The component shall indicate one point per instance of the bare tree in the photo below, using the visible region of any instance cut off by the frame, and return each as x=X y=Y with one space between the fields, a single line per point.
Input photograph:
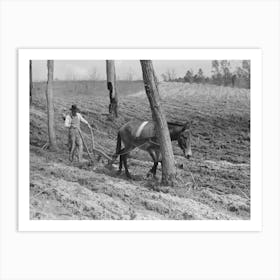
x=112 y=87
x=217 y=77
x=30 y=81
x=169 y=75
x=246 y=66
x=50 y=107
x=151 y=87
x=225 y=68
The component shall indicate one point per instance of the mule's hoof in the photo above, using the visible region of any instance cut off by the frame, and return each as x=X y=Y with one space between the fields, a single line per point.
x=149 y=174
x=128 y=176
x=119 y=172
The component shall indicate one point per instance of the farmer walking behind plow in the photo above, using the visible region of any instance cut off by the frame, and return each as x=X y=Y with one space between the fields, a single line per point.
x=75 y=141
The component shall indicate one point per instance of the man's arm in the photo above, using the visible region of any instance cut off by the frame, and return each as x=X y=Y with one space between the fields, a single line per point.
x=83 y=120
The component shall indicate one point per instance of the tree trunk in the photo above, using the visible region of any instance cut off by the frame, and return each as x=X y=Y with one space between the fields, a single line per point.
x=151 y=87
x=111 y=85
x=30 y=81
x=50 y=107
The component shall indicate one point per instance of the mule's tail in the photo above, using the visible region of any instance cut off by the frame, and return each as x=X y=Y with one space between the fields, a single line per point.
x=118 y=149
x=119 y=144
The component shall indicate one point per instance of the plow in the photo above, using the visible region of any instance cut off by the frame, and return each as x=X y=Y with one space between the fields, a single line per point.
x=98 y=150
x=101 y=151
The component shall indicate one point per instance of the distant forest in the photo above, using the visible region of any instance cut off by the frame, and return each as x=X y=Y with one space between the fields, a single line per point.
x=222 y=75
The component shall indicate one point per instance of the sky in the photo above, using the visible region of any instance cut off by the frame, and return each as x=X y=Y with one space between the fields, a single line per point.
x=87 y=69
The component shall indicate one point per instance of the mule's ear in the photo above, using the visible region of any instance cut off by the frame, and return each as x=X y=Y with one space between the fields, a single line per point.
x=186 y=126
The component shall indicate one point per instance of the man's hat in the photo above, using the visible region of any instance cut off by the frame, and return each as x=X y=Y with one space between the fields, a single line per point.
x=74 y=108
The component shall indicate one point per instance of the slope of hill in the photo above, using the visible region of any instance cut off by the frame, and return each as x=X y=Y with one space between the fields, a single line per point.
x=214 y=184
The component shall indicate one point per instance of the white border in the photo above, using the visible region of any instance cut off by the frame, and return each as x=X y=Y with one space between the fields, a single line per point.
x=254 y=224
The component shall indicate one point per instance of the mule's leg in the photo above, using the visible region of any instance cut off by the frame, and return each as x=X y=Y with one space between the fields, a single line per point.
x=122 y=152
x=120 y=164
x=154 y=158
x=121 y=160
x=126 y=167
x=157 y=160
x=155 y=168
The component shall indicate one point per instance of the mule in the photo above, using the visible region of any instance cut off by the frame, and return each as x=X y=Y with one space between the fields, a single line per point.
x=142 y=135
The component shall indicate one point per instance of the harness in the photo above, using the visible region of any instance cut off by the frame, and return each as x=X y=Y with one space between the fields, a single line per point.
x=140 y=128
x=149 y=141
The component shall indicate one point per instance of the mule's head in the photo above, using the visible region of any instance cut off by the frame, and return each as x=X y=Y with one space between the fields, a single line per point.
x=184 y=141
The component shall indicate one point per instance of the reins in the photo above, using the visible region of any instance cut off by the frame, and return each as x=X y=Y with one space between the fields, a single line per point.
x=134 y=147
x=93 y=146
x=84 y=142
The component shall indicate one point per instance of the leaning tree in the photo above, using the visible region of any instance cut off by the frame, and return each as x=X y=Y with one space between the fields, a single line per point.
x=111 y=85
x=50 y=107
x=152 y=91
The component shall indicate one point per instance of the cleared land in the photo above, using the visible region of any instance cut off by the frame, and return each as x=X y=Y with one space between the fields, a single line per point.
x=214 y=184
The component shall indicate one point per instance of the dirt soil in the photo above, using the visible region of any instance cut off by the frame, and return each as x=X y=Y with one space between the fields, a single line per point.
x=213 y=184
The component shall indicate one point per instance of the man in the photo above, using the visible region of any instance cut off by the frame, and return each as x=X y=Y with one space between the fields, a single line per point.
x=72 y=121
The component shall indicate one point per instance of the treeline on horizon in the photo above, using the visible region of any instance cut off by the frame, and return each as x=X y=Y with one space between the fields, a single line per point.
x=222 y=75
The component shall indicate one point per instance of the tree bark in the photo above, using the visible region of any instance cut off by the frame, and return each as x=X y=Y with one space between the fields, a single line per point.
x=151 y=87
x=112 y=87
x=30 y=81
x=50 y=107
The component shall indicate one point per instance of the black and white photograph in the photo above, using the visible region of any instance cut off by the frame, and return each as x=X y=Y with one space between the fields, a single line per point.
x=140 y=139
